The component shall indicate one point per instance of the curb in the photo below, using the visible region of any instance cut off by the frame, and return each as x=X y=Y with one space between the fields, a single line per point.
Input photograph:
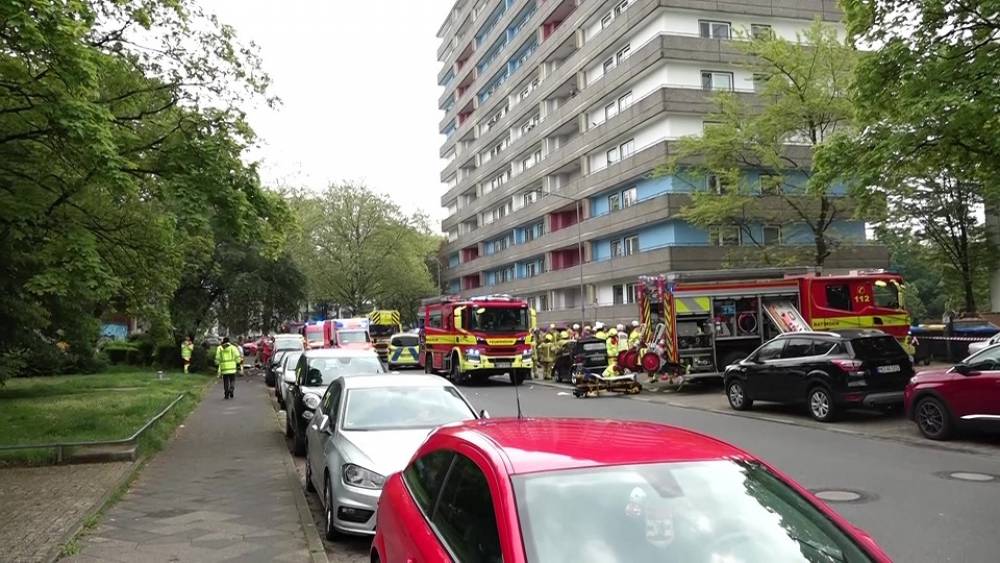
x=914 y=442
x=55 y=553
x=317 y=552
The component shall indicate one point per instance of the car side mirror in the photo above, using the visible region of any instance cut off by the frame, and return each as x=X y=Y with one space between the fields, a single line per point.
x=484 y=413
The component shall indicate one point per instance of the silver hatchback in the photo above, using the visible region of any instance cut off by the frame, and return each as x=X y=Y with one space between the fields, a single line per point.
x=365 y=428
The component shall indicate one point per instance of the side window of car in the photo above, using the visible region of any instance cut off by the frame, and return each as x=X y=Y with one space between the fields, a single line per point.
x=797 y=348
x=425 y=476
x=335 y=392
x=770 y=351
x=299 y=368
x=464 y=516
x=986 y=360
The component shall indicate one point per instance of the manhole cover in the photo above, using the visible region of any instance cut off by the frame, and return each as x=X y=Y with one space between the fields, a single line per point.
x=842 y=495
x=971 y=476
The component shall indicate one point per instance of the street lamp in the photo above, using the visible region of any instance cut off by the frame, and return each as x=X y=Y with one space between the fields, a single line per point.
x=579 y=248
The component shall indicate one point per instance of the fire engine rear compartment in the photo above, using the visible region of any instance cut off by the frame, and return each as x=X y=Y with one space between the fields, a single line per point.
x=717 y=327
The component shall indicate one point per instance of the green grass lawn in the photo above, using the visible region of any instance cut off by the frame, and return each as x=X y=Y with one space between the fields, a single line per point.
x=79 y=408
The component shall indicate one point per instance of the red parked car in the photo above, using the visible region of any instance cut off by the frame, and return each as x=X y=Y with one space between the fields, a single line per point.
x=584 y=490
x=966 y=395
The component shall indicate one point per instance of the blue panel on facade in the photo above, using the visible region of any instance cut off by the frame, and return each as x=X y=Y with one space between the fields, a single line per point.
x=454 y=286
x=453 y=260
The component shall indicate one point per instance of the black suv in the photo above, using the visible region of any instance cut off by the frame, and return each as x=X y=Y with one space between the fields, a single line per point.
x=825 y=370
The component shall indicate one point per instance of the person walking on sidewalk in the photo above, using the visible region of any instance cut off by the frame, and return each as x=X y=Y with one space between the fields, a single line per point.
x=187 y=351
x=228 y=359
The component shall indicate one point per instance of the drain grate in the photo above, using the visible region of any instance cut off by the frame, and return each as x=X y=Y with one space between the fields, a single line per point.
x=970 y=476
x=843 y=495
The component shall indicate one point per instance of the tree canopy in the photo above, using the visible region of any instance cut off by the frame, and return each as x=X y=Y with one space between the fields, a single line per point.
x=121 y=163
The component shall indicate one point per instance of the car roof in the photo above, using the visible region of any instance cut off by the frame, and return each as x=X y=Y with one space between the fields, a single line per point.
x=394 y=380
x=549 y=444
x=339 y=353
x=845 y=333
x=287 y=335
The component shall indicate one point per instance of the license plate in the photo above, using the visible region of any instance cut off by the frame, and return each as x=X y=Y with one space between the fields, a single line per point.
x=502 y=364
x=888 y=369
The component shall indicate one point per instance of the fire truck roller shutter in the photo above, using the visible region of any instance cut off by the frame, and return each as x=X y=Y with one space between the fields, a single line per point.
x=692 y=305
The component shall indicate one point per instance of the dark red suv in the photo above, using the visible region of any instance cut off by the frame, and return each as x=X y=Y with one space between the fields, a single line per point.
x=966 y=395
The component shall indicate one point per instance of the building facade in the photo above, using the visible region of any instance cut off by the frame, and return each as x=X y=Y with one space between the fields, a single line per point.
x=555 y=114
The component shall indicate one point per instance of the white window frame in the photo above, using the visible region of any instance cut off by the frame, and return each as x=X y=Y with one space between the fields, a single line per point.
x=712 y=84
x=610 y=111
x=623 y=294
x=612 y=156
x=621 y=7
x=629 y=197
x=617 y=248
x=762 y=182
x=761 y=30
x=606 y=20
x=777 y=238
x=533 y=268
x=614 y=202
x=626 y=149
x=624 y=101
x=719 y=234
x=630 y=245
x=622 y=54
x=608 y=65
x=711 y=29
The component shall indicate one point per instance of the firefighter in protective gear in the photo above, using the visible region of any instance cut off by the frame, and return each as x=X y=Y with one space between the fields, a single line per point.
x=622 y=340
x=635 y=335
x=611 y=347
x=187 y=351
x=576 y=331
x=599 y=332
x=228 y=358
x=546 y=356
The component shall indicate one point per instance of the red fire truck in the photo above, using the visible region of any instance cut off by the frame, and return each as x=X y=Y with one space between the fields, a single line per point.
x=703 y=321
x=474 y=338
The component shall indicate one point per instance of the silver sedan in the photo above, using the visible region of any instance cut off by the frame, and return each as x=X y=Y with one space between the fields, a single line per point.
x=365 y=428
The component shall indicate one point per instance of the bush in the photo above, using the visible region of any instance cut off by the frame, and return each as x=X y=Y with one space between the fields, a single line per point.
x=119 y=352
x=168 y=355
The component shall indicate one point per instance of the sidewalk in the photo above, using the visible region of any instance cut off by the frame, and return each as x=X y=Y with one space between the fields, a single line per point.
x=223 y=490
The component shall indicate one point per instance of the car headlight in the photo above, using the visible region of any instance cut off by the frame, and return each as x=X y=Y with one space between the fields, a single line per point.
x=472 y=354
x=526 y=354
x=358 y=476
x=311 y=400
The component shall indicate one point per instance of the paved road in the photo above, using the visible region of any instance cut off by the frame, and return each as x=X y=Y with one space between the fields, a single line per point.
x=915 y=514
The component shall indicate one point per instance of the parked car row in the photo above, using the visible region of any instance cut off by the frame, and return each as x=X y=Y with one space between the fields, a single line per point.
x=832 y=371
x=409 y=460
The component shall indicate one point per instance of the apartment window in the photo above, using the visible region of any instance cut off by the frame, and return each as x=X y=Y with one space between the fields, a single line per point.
x=715 y=80
x=609 y=64
x=532 y=269
x=715 y=29
x=539 y=302
x=614 y=202
x=759 y=81
x=622 y=54
x=532 y=232
x=610 y=110
x=505 y=274
x=761 y=31
x=772 y=235
x=623 y=294
x=716 y=184
x=629 y=197
x=726 y=235
x=624 y=101
x=612 y=156
x=606 y=20
x=616 y=248
x=621 y=7
x=627 y=148
x=529 y=198
x=631 y=245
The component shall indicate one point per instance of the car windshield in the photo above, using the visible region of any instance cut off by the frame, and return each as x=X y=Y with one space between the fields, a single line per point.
x=314 y=337
x=382 y=330
x=711 y=511
x=878 y=347
x=322 y=371
x=390 y=408
x=498 y=319
x=352 y=336
x=405 y=341
x=288 y=344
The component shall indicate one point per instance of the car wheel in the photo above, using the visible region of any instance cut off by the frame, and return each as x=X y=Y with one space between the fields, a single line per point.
x=428 y=365
x=737 y=394
x=329 y=531
x=455 y=373
x=821 y=405
x=933 y=418
x=298 y=441
x=289 y=432
x=309 y=477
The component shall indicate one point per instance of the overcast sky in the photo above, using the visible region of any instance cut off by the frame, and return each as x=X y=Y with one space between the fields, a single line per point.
x=358 y=82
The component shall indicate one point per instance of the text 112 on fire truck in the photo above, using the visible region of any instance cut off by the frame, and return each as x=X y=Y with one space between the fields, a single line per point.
x=474 y=338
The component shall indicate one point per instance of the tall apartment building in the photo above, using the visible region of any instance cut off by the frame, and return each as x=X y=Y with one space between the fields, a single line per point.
x=556 y=112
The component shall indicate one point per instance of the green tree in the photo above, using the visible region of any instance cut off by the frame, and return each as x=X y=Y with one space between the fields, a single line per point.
x=803 y=101
x=926 y=158
x=359 y=251
x=118 y=168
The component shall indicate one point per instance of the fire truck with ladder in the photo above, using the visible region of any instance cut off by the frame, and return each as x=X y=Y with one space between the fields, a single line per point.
x=698 y=322
x=473 y=338
x=382 y=324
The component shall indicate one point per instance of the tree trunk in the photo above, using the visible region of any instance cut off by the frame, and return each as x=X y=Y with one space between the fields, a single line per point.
x=967 y=288
x=822 y=250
